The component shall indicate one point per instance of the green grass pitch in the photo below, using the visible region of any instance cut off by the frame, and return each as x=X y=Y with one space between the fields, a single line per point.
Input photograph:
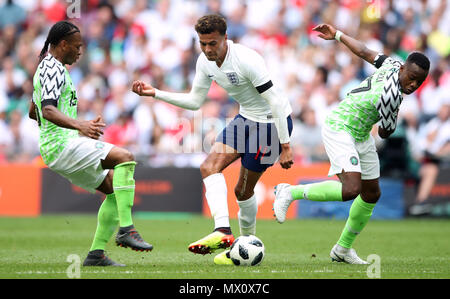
x=298 y=249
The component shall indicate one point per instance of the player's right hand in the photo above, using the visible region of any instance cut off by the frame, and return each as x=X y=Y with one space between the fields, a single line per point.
x=326 y=31
x=143 y=89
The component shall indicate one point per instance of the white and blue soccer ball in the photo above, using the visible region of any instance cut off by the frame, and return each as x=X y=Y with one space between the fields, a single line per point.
x=247 y=251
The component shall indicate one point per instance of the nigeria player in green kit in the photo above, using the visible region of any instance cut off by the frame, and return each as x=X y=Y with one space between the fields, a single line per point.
x=349 y=145
x=71 y=148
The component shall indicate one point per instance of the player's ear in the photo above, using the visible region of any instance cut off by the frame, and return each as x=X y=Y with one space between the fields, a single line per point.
x=63 y=44
x=402 y=69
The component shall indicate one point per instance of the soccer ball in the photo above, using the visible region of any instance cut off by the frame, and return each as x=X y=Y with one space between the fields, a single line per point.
x=247 y=251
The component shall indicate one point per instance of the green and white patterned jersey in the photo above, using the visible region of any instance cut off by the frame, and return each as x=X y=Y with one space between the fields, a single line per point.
x=53 y=86
x=377 y=98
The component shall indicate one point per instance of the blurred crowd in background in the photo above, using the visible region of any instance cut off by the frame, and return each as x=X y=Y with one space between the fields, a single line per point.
x=155 y=41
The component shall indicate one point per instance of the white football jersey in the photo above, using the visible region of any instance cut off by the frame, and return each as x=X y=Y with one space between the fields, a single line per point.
x=242 y=71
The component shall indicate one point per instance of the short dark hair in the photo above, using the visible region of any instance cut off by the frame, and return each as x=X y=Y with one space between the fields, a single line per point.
x=58 y=32
x=420 y=59
x=211 y=23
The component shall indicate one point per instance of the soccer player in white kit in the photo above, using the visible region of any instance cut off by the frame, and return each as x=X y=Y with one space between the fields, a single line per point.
x=259 y=134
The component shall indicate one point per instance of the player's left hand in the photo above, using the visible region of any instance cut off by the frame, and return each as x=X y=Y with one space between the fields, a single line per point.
x=96 y=127
x=99 y=120
x=286 y=157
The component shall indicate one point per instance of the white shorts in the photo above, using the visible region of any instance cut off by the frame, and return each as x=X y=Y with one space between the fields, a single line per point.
x=80 y=162
x=346 y=154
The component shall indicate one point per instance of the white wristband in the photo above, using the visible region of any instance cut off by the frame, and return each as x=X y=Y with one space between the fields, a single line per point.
x=337 y=36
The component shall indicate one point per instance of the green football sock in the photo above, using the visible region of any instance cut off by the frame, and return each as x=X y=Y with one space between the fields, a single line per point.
x=322 y=191
x=359 y=215
x=123 y=184
x=107 y=221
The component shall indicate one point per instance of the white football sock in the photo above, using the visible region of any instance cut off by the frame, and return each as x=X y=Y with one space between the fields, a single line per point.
x=247 y=215
x=216 y=196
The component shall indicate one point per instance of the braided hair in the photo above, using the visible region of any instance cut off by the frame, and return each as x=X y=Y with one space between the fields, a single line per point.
x=58 y=32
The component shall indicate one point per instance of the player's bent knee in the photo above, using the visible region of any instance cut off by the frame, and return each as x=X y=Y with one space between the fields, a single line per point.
x=117 y=156
x=350 y=193
x=207 y=169
x=204 y=170
x=126 y=156
x=371 y=197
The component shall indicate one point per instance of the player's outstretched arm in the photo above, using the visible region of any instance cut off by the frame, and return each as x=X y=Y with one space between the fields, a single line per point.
x=191 y=101
x=89 y=128
x=328 y=32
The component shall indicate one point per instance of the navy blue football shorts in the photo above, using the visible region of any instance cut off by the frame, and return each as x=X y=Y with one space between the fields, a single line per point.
x=257 y=142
